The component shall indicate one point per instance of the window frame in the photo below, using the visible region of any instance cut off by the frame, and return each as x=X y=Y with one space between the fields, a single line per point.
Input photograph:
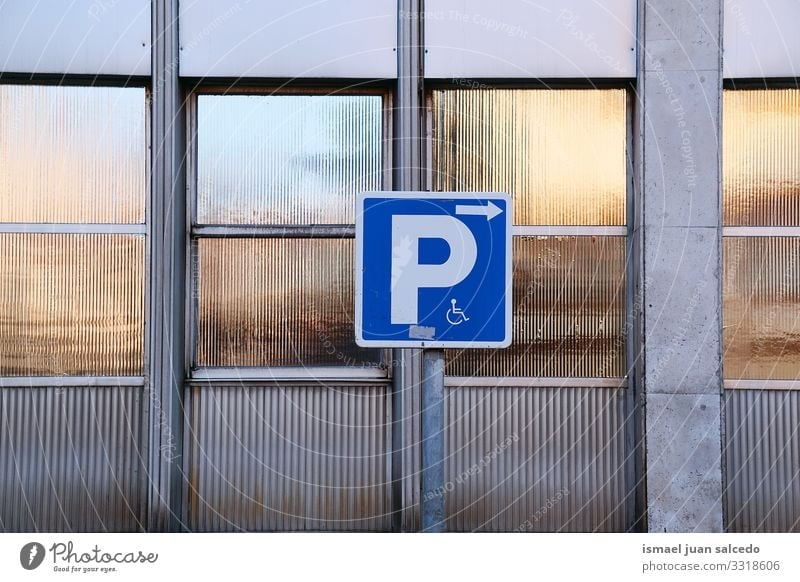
x=142 y=229
x=195 y=232
x=733 y=231
x=624 y=231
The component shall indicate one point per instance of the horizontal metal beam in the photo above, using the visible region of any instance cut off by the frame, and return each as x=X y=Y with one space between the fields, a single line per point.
x=569 y=230
x=310 y=374
x=277 y=383
x=508 y=381
x=70 y=228
x=760 y=231
x=70 y=381
x=761 y=384
x=268 y=231
x=348 y=231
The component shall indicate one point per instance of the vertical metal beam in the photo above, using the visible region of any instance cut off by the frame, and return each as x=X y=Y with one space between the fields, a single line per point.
x=167 y=231
x=433 y=488
x=635 y=466
x=409 y=168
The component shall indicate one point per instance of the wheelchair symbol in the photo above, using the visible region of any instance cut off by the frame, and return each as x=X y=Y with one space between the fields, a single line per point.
x=455 y=315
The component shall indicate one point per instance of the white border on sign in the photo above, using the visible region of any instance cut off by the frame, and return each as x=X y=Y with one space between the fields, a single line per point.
x=359 y=269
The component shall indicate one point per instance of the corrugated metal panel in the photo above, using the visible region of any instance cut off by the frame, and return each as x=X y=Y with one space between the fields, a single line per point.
x=288 y=458
x=71 y=459
x=535 y=459
x=763 y=460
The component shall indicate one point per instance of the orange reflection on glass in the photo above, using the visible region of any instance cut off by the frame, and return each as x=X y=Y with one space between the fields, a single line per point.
x=761 y=157
x=559 y=153
x=72 y=154
x=72 y=304
x=277 y=302
x=761 y=310
x=568 y=317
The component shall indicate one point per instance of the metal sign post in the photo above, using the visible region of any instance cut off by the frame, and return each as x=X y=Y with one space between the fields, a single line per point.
x=433 y=485
x=433 y=270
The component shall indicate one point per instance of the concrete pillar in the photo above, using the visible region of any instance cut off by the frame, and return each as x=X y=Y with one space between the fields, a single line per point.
x=678 y=229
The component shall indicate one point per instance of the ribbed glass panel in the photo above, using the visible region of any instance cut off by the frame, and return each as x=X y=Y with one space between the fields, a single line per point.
x=568 y=312
x=763 y=460
x=286 y=159
x=535 y=459
x=761 y=308
x=288 y=458
x=72 y=459
x=71 y=304
x=560 y=154
x=761 y=157
x=72 y=154
x=277 y=302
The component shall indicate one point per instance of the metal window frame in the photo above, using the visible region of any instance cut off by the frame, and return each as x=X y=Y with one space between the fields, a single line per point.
x=204 y=375
x=735 y=231
x=71 y=381
x=521 y=230
x=142 y=229
x=314 y=374
x=534 y=382
x=770 y=232
x=760 y=231
x=731 y=384
x=70 y=228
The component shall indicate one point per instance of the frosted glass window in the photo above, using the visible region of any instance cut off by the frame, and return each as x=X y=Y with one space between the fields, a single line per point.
x=559 y=153
x=286 y=159
x=72 y=154
x=277 y=302
x=291 y=160
x=568 y=318
x=761 y=308
x=761 y=157
x=71 y=304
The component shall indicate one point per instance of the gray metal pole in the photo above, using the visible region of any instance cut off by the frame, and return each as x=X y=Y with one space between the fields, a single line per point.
x=433 y=486
x=168 y=262
x=409 y=171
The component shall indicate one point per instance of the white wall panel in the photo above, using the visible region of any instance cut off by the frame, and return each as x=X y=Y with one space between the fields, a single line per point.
x=761 y=38
x=523 y=38
x=110 y=37
x=307 y=38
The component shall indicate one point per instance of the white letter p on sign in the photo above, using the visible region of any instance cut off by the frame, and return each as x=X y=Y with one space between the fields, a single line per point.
x=408 y=276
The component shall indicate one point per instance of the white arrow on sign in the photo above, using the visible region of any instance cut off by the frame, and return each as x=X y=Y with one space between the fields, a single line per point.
x=490 y=210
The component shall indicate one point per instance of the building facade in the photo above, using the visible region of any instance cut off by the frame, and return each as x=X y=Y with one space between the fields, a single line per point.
x=177 y=209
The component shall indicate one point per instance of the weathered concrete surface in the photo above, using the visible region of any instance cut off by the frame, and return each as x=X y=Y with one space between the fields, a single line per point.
x=682 y=132
x=683 y=463
x=679 y=236
x=682 y=311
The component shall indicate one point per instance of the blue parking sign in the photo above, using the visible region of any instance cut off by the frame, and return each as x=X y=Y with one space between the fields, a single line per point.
x=433 y=270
